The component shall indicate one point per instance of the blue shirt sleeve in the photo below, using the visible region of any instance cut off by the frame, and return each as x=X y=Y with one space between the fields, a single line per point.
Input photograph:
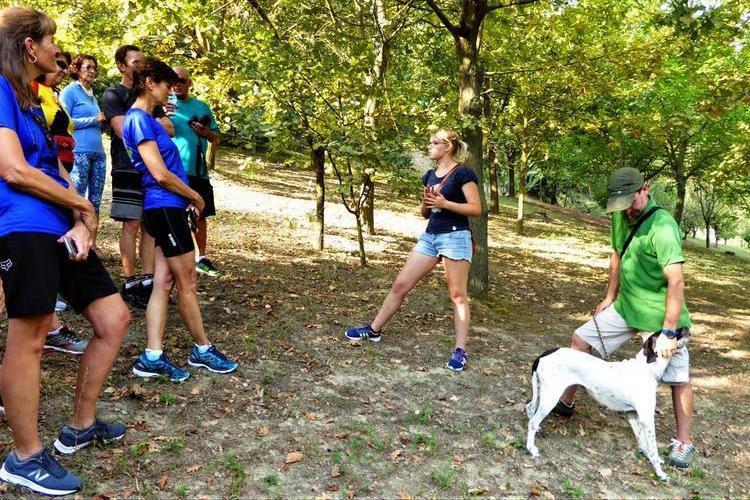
x=142 y=128
x=7 y=104
x=426 y=178
x=465 y=176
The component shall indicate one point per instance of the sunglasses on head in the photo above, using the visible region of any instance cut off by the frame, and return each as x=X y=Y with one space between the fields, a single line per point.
x=61 y=64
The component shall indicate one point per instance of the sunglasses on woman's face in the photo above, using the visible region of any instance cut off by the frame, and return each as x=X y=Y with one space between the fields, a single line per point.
x=61 y=64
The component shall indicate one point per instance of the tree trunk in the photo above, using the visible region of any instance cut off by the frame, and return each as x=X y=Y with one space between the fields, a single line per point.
x=708 y=235
x=492 y=173
x=470 y=108
x=211 y=156
x=510 y=153
x=522 y=182
x=368 y=208
x=318 y=159
x=678 y=168
x=361 y=241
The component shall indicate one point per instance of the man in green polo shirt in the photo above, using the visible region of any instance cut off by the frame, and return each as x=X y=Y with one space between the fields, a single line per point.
x=644 y=294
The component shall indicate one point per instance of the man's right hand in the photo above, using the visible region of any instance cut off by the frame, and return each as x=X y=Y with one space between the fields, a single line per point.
x=603 y=305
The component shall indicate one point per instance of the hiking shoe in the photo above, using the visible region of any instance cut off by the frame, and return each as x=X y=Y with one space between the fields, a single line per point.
x=160 y=368
x=40 y=473
x=205 y=266
x=61 y=305
x=564 y=409
x=135 y=295
x=458 y=360
x=213 y=360
x=680 y=454
x=71 y=440
x=65 y=340
x=363 y=332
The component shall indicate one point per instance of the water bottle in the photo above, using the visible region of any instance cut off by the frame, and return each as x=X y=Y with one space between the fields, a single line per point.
x=171 y=106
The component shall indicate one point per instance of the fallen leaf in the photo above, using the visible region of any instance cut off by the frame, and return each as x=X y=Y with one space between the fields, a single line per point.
x=192 y=468
x=519 y=407
x=162 y=482
x=127 y=492
x=534 y=492
x=310 y=416
x=475 y=492
x=195 y=391
x=263 y=431
x=294 y=457
x=335 y=471
x=350 y=492
x=402 y=495
x=153 y=447
x=396 y=455
x=332 y=487
x=606 y=472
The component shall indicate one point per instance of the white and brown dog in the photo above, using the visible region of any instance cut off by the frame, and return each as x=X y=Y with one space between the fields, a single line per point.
x=626 y=386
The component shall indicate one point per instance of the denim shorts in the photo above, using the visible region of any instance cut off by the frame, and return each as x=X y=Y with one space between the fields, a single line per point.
x=455 y=245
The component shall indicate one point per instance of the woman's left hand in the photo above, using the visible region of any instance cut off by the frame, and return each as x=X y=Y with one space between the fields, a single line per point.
x=82 y=237
x=434 y=199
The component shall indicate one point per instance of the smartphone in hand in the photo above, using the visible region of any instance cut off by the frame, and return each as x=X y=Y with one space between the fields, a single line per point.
x=71 y=247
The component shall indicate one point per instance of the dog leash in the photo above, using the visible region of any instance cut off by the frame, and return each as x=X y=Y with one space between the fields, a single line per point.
x=599 y=333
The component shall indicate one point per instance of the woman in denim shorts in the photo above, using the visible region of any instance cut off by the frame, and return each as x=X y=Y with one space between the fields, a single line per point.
x=450 y=197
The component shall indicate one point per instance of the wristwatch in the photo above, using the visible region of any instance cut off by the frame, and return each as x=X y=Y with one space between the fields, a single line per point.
x=670 y=334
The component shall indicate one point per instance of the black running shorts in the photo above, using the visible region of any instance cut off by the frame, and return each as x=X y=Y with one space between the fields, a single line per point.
x=169 y=227
x=34 y=267
x=204 y=188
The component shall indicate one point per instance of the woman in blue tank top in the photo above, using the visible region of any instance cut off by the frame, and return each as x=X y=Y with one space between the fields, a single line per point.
x=450 y=197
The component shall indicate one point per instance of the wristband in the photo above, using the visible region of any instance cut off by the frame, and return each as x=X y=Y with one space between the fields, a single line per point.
x=670 y=334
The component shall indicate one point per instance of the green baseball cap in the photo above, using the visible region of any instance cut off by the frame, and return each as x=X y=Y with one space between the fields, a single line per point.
x=624 y=183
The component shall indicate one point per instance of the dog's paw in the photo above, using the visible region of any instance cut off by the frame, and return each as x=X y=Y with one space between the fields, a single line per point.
x=534 y=451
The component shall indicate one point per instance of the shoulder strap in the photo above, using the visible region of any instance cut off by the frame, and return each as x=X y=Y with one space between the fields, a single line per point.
x=637 y=226
x=446 y=176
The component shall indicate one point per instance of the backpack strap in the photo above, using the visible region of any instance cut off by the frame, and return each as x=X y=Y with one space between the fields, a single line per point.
x=637 y=226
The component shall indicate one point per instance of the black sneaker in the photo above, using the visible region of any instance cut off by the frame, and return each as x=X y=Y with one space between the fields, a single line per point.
x=563 y=409
x=134 y=295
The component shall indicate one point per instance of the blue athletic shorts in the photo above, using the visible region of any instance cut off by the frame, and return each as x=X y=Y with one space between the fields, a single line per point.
x=455 y=245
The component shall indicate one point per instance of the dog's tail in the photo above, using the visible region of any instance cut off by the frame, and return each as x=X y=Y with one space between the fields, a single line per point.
x=533 y=404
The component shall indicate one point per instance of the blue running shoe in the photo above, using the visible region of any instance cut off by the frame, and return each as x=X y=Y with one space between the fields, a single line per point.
x=159 y=368
x=40 y=473
x=458 y=360
x=71 y=440
x=213 y=360
x=363 y=332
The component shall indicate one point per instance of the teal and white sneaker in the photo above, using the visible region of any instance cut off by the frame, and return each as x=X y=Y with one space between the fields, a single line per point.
x=213 y=360
x=162 y=367
x=680 y=454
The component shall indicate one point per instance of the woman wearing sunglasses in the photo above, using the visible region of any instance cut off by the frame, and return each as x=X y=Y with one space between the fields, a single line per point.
x=168 y=199
x=89 y=164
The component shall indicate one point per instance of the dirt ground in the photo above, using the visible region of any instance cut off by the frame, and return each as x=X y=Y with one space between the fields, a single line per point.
x=309 y=415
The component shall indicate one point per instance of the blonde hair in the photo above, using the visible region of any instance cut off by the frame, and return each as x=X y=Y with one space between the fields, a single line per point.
x=459 y=148
x=16 y=25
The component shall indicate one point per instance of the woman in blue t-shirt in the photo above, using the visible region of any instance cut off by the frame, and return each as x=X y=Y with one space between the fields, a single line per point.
x=168 y=204
x=45 y=242
x=450 y=197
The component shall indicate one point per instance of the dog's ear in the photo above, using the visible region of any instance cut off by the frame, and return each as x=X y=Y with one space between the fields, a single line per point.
x=648 y=348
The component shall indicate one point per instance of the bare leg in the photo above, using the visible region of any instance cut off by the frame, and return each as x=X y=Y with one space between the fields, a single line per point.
x=20 y=378
x=183 y=270
x=127 y=246
x=158 y=303
x=578 y=344
x=201 y=236
x=682 y=400
x=146 y=250
x=110 y=318
x=457 y=275
x=416 y=267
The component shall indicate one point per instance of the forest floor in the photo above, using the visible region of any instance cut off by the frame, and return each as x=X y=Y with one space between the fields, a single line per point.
x=309 y=415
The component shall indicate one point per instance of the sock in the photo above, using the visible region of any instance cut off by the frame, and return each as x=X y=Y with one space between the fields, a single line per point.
x=147 y=280
x=130 y=282
x=153 y=354
x=373 y=330
x=203 y=349
x=55 y=331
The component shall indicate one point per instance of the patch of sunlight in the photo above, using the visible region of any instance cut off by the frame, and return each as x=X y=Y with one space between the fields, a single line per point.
x=567 y=250
x=713 y=382
x=715 y=280
x=736 y=354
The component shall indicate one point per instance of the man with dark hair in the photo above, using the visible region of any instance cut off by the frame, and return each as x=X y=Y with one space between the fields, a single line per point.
x=645 y=294
x=127 y=194
x=195 y=127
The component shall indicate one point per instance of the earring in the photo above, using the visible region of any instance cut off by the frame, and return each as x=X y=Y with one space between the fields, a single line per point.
x=34 y=60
